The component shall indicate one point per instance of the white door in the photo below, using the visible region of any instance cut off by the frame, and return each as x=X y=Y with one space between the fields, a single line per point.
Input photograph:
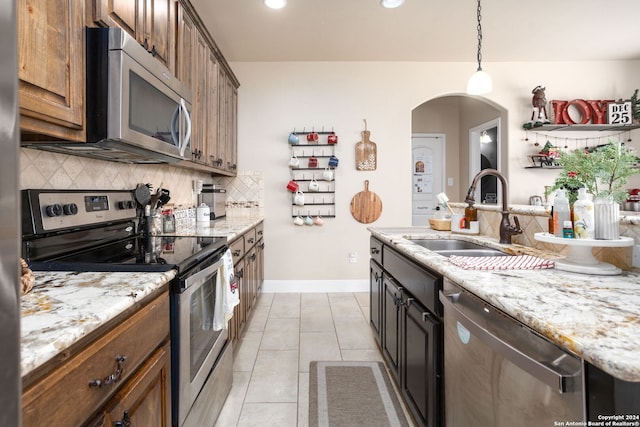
x=428 y=156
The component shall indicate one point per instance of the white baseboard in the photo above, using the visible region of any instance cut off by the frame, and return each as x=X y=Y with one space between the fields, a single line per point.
x=281 y=286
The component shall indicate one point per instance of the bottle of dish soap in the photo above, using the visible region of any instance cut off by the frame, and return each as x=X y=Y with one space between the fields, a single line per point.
x=583 y=216
x=560 y=212
x=470 y=215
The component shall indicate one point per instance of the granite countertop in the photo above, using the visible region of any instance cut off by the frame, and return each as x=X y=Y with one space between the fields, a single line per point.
x=595 y=317
x=229 y=227
x=64 y=307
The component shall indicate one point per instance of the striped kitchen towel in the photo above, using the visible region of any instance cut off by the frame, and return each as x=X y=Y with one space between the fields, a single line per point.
x=518 y=262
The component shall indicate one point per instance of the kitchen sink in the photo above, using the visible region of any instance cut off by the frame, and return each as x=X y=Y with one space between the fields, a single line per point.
x=448 y=247
x=472 y=252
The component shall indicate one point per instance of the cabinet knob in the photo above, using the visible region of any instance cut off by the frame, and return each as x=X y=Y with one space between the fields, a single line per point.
x=153 y=51
x=114 y=377
x=145 y=44
x=126 y=421
x=237 y=252
x=375 y=251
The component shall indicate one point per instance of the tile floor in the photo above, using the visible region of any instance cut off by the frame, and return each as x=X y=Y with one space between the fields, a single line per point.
x=286 y=332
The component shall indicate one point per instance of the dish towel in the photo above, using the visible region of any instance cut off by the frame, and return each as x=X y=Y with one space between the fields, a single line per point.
x=227 y=293
x=519 y=262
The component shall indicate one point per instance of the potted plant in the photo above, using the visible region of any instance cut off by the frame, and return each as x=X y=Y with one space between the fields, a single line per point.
x=603 y=171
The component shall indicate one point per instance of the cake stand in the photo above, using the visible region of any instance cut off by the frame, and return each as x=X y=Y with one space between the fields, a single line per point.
x=580 y=258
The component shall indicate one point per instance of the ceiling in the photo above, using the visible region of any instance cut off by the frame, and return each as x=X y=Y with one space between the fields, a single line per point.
x=424 y=30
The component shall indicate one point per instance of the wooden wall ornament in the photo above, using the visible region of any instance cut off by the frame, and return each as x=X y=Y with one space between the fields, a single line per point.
x=366 y=152
x=366 y=206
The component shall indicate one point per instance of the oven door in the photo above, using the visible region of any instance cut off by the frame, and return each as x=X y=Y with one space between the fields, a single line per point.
x=196 y=345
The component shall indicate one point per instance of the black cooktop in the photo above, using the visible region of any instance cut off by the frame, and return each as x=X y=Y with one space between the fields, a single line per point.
x=134 y=254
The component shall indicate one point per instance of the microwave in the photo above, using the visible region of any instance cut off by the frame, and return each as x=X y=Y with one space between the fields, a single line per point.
x=137 y=111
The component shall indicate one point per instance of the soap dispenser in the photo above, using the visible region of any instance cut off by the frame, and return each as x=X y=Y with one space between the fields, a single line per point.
x=470 y=215
x=583 y=216
x=560 y=212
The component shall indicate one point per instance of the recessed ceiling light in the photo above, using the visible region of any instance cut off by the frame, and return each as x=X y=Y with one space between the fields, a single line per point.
x=275 y=4
x=390 y=4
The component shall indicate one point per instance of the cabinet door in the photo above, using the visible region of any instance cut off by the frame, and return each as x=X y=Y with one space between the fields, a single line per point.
x=210 y=154
x=240 y=310
x=260 y=264
x=150 y=22
x=145 y=400
x=222 y=118
x=185 y=48
x=158 y=30
x=250 y=281
x=199 y=101
x=120 y=13
x=421 y=363
x=375 y=293
x=51 y=60
x=231 y=125
x=391 y=303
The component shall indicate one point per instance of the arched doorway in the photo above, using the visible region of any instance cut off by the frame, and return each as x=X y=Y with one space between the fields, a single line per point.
x=453 y=116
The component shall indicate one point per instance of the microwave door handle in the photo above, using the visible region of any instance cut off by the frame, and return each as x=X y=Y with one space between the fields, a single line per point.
x=175 y=138
x=187 y=135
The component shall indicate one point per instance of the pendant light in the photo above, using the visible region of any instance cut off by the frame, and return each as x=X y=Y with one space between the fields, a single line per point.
x=275 y=4
x=391 y=4
x=480 y=82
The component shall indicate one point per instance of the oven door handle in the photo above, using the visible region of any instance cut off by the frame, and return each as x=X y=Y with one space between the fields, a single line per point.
x=202 y=274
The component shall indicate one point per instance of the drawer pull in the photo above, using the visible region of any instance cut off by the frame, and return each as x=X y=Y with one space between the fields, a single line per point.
x=375 y=251
x=237 y=252
x=126 y=421
x=113 y=378
x=250 y=240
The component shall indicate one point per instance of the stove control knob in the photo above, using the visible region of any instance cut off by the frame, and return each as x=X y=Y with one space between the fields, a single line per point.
x=126 y=204
x=54 y=210
x=70 y=209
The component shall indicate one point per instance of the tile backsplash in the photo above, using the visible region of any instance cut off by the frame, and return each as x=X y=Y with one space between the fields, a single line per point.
x=46 y=170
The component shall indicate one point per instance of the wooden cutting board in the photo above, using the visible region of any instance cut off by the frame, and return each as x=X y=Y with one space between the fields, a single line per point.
x=366 y=153
x=366 y=206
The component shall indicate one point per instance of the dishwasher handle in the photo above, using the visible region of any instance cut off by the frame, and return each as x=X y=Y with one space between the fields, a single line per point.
x=540 y=370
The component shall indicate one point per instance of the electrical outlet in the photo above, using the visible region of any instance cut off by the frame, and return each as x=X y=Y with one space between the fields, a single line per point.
x=353 y=257
x=636 y=256
x=450 y=182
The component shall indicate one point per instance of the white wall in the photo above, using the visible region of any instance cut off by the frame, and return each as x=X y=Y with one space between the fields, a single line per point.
x=274 y=98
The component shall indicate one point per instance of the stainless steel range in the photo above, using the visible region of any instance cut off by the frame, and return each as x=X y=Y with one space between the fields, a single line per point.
x=100 y=230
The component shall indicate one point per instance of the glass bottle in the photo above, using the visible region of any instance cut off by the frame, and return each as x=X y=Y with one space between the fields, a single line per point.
x=470 y=214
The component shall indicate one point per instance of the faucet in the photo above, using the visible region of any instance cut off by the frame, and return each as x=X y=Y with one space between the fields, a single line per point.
x=506 y=228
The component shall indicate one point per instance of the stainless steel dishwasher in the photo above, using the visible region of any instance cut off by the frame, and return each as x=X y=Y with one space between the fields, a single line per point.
x=499 y=373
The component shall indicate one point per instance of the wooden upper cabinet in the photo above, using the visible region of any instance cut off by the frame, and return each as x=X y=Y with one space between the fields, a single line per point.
x=51 y=61
x=212 y=149
x=150 y=22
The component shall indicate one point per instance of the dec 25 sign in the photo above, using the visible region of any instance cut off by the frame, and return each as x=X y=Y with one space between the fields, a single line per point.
x=597 y=112
x=620 y=113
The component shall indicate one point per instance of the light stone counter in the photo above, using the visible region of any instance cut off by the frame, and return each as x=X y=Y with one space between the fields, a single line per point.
x=229 y=227
x=595 y=317
x=64 y=307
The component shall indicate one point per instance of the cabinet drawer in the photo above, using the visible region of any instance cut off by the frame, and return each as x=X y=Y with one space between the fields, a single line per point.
x=237 y=249
x=65 y=396
x=259 y=231
x=250 y=239
x=418 y=281
x=375 y=250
